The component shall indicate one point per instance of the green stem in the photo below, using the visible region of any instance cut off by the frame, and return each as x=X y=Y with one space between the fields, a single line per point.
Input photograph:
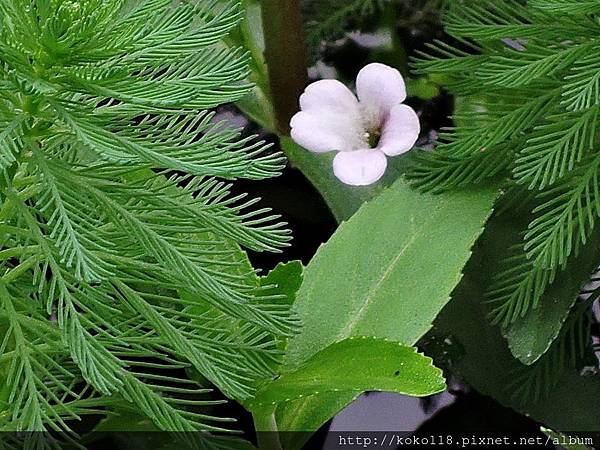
x=25 y=194
x=285 y=53
x=16 y=173
x=16 y=251
x=267 y=433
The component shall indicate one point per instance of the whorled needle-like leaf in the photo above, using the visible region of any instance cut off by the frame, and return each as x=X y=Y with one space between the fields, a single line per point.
x=121 y=260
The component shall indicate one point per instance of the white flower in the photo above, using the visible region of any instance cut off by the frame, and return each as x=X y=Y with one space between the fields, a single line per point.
x=363 y=131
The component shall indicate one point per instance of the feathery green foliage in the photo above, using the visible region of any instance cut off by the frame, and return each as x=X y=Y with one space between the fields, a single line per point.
x=120 y=263
x=530 y=74
x=328 y=19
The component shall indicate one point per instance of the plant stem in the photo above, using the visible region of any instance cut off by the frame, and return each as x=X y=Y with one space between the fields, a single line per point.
x=267 y=433
x=285 y=54
x=19 y=270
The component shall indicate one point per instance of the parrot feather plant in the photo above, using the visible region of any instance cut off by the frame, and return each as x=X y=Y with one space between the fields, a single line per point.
x=527 y=79
x=120 y=258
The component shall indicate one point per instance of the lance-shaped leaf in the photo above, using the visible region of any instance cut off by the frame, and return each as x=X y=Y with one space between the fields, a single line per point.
x=390 y=269
x=357 y=365
x=386 y=273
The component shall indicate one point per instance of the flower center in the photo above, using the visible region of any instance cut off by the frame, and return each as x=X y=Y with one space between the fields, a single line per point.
x=373 y=137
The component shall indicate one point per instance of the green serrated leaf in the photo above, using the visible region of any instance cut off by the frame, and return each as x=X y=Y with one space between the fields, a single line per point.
x=381 y=276
x=390 y=269
x=531 y=336
x=357 y=365
x=284 y=280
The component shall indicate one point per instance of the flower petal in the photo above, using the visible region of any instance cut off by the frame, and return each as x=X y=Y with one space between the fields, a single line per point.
x=379 y=88
x=360 y=167
x=324 y=131
x=328 y=94
x=400 y=131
